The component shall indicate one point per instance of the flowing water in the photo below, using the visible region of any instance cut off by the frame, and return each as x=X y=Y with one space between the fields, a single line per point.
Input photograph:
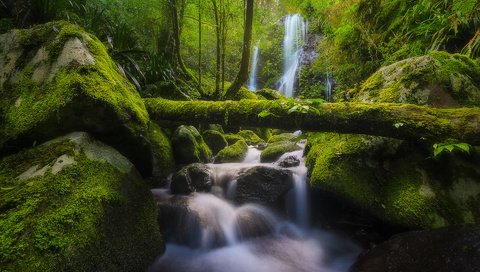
x=252 y=80
x=214 y=234
x=328 y=88
x=293 y=42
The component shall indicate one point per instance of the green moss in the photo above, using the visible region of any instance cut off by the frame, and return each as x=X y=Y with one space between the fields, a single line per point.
x=215 y=140
x=232 y=153
x=439 y=79
x=164 y=161
x=243 y=93
x=98 y=93
x=275 y=150
x=250 y=137
x=233 y=138
x=282 y=137
x=189 y=146
x=269 y=94
x=87 y=217
x=393 y=182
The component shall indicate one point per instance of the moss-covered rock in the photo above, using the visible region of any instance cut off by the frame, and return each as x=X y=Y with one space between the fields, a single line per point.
x=189 y=146
x=282 y=137
x=215 y=140
x=233 y=138
x=56 y=78
x=269 y=94
x=438 y=79
x=243 y=93
x=75 y=204
x=396 y=181
x=162 y=153
x=250 y=137
x=275 y=150
x=232 y=153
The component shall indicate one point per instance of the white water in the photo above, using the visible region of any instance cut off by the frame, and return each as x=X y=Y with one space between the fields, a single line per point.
x=328 y=88
x=219 y=236
x=252 y=80
x=293 y=42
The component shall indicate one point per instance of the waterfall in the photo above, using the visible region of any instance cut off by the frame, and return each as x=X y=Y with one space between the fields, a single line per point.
x=293 y=42
x=328 y=88
x=252 y=81
x=209 y=231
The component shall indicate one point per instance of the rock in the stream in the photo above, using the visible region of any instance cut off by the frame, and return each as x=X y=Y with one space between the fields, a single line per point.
x=189 y=146
x=75 y=204
x=439 y=250
x=250 y=137
x=232 y=153
x=275 y=150
x=57 y=78
x=264 y=185
x=195 y=177
x=215 y=140
x=290 y=161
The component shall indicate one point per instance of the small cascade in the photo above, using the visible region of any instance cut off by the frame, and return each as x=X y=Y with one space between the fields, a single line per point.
x=293 y=42
x=213 y=232
x=252 y=80
x=328 y=88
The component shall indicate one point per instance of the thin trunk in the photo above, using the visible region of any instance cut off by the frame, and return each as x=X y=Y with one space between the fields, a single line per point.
x=199 y=45
x=242 y=75
x=218 y=48
x=402 y=121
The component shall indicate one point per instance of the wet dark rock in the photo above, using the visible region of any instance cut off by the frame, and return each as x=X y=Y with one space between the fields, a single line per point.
x=264 y=185
x=195 y=177
x=445 y=249
x=290 y=161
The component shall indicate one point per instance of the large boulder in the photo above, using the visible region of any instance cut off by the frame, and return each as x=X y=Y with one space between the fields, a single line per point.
x=446 y=249
x=56 y=78
x=400 y=182
x=232 y=153
x=264 y=185
x=189 y=146
x=195 y=177
x=75 y=204
x=396 y=181
x=438 y=79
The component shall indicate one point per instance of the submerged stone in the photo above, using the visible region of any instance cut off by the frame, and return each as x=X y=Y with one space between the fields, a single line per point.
x=88 y=210
x=57 y=78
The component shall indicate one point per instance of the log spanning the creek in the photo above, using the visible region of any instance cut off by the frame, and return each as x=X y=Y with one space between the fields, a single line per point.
x=402 y=121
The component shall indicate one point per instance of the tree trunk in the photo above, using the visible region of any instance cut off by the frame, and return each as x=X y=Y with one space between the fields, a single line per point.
x=242 y=75
x=177 y=47
x=403 y=121
x=218 y=34
x=200 y=46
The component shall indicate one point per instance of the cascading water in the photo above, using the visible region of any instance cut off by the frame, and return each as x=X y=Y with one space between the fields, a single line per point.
x=252 y=81
x=328 y=88
x=293 y=42
x=211 y=233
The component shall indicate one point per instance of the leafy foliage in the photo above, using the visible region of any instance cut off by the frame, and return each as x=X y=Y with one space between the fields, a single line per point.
x=439 y=149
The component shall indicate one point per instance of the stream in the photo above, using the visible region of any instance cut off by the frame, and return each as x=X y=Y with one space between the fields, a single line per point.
x=213 y=232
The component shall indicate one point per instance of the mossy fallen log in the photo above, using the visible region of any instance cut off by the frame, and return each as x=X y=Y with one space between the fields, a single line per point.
x=402 y=121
